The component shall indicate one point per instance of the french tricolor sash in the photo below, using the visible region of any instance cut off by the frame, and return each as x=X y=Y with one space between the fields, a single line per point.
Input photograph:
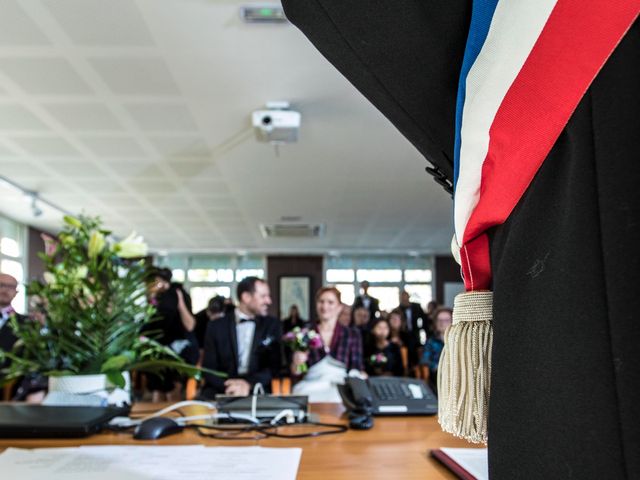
x=526 y=66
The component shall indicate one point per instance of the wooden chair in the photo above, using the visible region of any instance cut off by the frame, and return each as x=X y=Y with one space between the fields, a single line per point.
x=281 y=386
x=6 y=391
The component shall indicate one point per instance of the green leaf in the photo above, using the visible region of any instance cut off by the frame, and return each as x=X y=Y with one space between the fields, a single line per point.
x=117 y=363
x=116 y=378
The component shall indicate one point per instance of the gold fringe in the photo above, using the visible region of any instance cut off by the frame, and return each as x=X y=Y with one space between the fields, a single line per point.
x=464 y=371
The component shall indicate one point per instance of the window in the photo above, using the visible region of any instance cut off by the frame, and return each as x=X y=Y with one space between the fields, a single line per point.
x=249 y=272
x=389 y=297
x=387 y=277
x=177 y=275
x=421 y=294
x=373 y=276
x=200 y=296
x=12 y=260
x=205 y=276
x=347 y=292
x=335 y=275
x=413 y=275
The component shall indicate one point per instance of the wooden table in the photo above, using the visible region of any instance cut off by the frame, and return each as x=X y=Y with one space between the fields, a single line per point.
x=395 y=448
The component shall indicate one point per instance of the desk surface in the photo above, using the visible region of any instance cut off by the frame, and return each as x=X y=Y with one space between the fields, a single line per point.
x=396 y=447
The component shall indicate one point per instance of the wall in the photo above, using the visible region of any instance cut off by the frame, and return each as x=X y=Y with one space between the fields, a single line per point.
x=446 y=270
x=35 y=266
x=279 y=266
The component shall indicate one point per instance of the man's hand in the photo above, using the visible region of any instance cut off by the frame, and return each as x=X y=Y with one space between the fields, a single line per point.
x=237 y=387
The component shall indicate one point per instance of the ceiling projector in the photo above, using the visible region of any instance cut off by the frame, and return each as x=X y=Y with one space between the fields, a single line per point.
x=276 y=124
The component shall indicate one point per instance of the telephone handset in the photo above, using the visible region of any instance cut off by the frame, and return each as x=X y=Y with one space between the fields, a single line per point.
x=357 y=397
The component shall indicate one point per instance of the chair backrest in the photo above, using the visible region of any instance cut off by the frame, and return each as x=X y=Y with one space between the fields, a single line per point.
x=404 y=353
x=6 y=391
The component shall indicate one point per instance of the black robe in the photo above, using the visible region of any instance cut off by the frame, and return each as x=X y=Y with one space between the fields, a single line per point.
x=565 y=393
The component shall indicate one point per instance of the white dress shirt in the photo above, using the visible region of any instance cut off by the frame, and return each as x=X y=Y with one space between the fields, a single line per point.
x=5 y=313
x=244 y=336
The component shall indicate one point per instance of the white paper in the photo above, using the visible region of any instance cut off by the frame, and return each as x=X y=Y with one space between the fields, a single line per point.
x=151 y=463
x=473 y=460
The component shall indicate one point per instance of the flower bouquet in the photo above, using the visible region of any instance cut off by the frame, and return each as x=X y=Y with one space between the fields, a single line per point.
x=302 y=340
x=378 y=360
x=93 y=308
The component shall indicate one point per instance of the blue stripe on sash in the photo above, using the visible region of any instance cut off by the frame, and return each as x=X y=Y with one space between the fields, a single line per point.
x=481 y=15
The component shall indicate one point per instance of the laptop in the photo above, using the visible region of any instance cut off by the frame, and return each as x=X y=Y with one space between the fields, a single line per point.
x=390 y=396
x=38 y=421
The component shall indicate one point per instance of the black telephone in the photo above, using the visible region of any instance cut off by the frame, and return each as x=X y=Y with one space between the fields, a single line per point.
x=357 y=397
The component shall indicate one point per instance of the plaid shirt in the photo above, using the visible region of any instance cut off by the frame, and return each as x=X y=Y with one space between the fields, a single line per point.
x=346 y=346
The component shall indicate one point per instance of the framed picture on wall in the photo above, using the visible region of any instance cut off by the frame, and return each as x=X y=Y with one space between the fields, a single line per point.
x=295 y=290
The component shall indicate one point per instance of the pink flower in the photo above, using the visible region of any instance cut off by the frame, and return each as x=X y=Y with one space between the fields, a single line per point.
x=50 y=244
x=315 y=343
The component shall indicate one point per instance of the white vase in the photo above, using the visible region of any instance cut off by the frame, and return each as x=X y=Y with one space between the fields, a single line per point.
x=93 y=389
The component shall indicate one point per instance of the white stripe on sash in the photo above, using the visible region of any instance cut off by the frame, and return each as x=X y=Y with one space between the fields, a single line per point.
x=514 y=30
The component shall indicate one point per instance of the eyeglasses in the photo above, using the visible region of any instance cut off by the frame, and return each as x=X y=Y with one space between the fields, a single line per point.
x=9 y=286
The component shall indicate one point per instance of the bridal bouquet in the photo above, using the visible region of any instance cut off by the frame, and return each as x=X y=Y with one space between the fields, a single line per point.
x=302 y=340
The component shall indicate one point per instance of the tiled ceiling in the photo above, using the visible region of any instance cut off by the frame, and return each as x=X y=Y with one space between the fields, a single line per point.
x=139 y=111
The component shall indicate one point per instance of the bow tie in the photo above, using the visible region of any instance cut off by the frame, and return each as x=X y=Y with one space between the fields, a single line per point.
x=243 y=320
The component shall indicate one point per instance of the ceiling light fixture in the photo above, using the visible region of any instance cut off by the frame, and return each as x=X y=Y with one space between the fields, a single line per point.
x=36 y=199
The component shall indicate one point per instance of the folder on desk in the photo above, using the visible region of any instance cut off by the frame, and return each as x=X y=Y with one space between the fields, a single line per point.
x=464 y=463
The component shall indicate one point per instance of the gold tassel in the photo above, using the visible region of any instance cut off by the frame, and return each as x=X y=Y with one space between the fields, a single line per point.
x=464 y=371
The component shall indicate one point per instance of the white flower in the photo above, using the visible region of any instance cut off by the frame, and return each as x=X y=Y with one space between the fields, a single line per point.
x=131 y=247
x=49 y=278
x=96 y=244
x=80 y=272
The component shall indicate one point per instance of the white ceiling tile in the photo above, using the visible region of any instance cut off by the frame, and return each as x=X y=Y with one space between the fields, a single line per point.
x=99 y=186
x=78 y=170
x=205 y=186
x=157 y=117
x=147 y=186
x=120 y=146
x=181 y=146
x=136 y=76
x=100 y=23
x=44 y=76
x=6 y=152
x=17 y=28
x=195 y=169
x=12 y=168
x=118 y=201
x=46 y=146
x=84 y=116
x=17 y=117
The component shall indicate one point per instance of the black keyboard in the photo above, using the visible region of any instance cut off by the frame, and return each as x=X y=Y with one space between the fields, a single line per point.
x=391 y=391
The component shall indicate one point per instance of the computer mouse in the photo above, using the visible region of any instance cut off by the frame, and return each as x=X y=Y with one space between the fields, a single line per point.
x=156 y=427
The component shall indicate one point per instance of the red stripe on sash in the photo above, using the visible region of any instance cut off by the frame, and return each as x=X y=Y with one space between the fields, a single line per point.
x=572 y=48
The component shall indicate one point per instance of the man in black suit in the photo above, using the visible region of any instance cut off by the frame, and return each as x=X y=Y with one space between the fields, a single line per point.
x=8 y=291
x=417 y=325
x=245 y=343
x=565 y=263
x=365 y=300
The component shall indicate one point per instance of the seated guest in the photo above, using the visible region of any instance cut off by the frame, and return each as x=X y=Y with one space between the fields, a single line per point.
x=293 y=320
x=173 y=326
x=321 y=369
x=245 y=344
x=215 y=310
x=361 y=319
x=8 y=291
x=382 y=357
x=443 y=317
x=398 y=328
x=432 y=306
x=345 y=315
